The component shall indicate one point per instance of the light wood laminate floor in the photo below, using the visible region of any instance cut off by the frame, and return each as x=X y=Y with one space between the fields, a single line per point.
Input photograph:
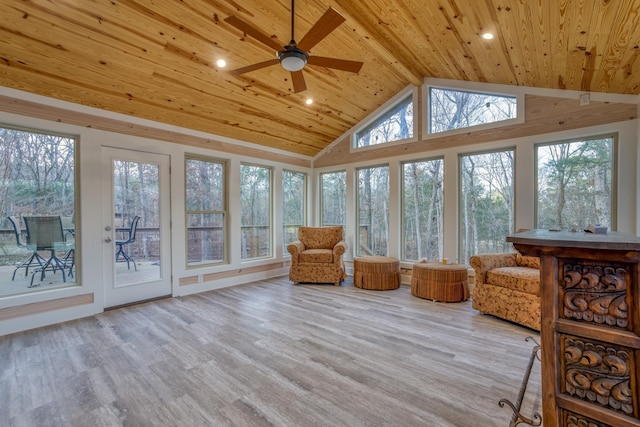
x=270 y=353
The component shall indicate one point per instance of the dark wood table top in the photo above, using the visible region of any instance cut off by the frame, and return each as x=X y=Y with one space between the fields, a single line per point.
x=576 y=239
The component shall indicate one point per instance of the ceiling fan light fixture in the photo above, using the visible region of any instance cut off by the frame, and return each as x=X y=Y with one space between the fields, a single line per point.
x=293 y=60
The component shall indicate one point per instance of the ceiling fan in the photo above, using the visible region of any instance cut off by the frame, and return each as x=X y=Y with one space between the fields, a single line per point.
x=294 y=56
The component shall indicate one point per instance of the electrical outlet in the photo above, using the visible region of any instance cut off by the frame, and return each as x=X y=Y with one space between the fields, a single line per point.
x=584 y=99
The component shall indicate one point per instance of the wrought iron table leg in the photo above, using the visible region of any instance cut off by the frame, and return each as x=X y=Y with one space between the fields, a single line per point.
x=517 y=418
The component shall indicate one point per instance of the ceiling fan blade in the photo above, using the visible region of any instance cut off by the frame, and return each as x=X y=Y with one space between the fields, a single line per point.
x=298 y=81
x=272 y=42
x=327 y=23
x=253 y=67
x=335 y=63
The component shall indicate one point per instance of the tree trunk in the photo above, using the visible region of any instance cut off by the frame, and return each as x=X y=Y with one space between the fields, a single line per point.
x=416 y=210
x=601 y=203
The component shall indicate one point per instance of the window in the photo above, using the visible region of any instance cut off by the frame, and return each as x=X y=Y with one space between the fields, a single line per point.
x=206 y=210
x=373 y=211
x=422 y=207
x=486 y=203
x=333 y=197
x=575 y=183
x=37 y=195
x=451 y=109
x=294 y=197
x=395 y=125
x=255 y=211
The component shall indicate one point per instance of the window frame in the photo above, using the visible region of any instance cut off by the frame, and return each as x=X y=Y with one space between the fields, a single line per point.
x=76 y=282
x=410 y=92
x=225 y=212
x=402 y=204
x=487 y=89
x=321 y=199
x=357 y=207
x=614 y=173
x=271 y=252
x=304 y=203
x=462 y=155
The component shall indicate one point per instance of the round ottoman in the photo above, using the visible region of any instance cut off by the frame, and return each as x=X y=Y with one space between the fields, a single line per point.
x=440 y=282
x=378 y=273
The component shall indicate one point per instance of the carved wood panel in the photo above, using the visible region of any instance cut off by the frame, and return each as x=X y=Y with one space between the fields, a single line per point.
x=590 y=331
x=574 y=420
x=599 y=373
x=595 y=294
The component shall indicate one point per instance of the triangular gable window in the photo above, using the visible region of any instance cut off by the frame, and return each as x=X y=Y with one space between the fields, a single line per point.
x=396 y=124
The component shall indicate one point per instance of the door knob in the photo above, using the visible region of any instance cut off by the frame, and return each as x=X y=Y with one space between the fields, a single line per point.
x=107 y=239
x=107 y=228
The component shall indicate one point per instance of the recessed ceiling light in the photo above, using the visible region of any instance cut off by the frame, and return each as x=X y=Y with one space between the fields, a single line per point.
x=487 y=36
x=309 y=101
x=221 y=63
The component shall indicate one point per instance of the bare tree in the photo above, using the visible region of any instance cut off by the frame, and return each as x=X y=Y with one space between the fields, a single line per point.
x=574 y=183
x=396 y=124
x=456 y=109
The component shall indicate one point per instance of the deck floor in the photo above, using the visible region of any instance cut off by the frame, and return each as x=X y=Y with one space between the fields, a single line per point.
x=22 y=284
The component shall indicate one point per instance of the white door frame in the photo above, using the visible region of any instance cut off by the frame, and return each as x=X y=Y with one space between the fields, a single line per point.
x=121 y=294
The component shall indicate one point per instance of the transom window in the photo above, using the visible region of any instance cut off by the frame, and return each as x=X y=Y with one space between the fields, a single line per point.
x=395 y=124
x=451 y=109
x=575 y=184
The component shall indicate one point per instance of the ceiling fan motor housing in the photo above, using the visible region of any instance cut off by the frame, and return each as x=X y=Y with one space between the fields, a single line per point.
x=292 y=58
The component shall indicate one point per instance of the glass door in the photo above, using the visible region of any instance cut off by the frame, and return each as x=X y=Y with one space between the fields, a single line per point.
x=136 y=226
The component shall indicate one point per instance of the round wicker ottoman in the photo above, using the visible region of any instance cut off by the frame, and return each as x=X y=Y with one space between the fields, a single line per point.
x=440 y=282
x=379 y=273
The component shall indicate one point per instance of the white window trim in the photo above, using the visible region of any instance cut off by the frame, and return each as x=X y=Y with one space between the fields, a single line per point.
x=485 y=88
x=401 y=220
x=224 y=212
x=615 y=137
x=357 y=205
x=464 y=154
x=320 y=209
x=381 y=111
x=305 y=203
x=272 y=219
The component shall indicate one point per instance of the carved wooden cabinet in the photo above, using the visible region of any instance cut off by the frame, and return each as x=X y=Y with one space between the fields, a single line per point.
x=590 y=331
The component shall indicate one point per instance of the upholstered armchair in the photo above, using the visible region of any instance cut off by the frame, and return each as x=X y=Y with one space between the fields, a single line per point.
x=507 y=285
x=316 y=256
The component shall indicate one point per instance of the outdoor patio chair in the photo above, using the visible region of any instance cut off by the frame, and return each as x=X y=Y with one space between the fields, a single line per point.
x=34 y=259
x=44 y=233
x=121 y=255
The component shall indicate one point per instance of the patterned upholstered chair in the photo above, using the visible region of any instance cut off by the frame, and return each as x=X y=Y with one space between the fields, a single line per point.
x=507 y=285
x=316 y=257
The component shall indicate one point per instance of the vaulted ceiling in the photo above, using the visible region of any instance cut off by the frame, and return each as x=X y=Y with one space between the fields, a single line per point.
x=157 y=59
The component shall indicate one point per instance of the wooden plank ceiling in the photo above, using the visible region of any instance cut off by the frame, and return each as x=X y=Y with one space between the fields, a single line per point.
x=157 y=59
